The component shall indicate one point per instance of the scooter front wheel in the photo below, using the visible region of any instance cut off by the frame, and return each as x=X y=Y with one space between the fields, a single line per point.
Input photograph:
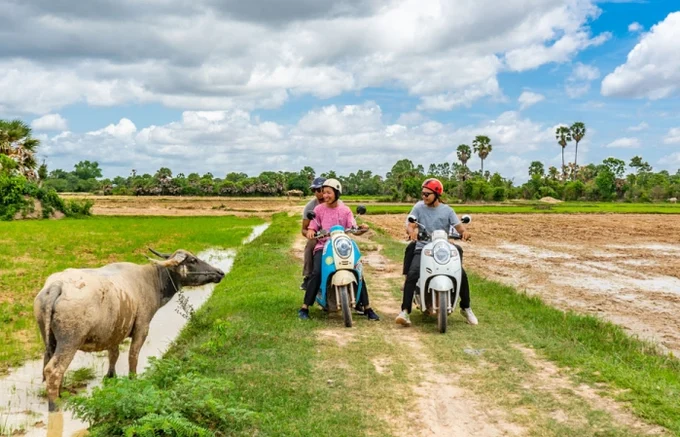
x=442 y=313
x=343 y=290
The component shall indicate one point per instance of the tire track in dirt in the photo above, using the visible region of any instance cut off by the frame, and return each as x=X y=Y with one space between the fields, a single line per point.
x=438 y=403
x=459 y=412
x=548 y=377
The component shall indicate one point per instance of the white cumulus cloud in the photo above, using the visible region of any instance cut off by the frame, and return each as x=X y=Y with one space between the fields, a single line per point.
x=640 y=127
x=584 y=72
x=123 y=129
x=209 y=55
x=578 y=82
x=635 y=27
x=652 y=68
x=340 y=138
x=50 y=122
x=673 y=136
x=671 y=161
x=528 y=98
x=624 y=143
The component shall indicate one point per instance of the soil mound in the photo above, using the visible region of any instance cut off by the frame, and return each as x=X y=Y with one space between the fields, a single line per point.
x=549 y=199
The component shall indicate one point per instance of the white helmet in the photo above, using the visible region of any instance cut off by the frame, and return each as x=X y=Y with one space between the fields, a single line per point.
x=333 y=183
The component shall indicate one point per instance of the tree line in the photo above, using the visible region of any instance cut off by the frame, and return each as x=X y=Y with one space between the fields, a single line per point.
x=613 y=179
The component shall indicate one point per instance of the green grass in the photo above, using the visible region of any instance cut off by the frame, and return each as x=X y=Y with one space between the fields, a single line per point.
x=248 y=340
x=588 y=349
x=360 y=199
x=245 y=365
x=542 y=208
x=32 y=250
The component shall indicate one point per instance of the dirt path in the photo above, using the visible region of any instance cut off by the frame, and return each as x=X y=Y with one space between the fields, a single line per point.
x=440 y=406
x=437 y=402
x=623 y=268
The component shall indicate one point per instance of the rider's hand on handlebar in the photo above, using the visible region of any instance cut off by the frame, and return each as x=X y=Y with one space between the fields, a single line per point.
x=413 y=234
x=311 y=234
x=360 y=230
x=465 y=236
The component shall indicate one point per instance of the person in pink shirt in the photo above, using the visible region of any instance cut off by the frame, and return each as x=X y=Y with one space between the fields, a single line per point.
x=328 y=214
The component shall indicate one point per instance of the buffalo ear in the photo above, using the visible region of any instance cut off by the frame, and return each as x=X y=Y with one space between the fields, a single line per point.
x=160 y=255
x=179 y=257
x=173 y=262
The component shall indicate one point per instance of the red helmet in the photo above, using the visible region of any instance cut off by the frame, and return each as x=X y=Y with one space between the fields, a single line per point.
x=434 y=185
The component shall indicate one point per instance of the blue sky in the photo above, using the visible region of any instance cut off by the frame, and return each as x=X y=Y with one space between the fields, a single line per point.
x=350 y=85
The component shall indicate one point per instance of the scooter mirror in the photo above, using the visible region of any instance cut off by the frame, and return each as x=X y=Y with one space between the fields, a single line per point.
x=361 y=209
x=466 y=219
x=311 y=215
x=411 y=219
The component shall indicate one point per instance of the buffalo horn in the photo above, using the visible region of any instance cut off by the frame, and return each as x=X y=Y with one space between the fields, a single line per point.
x=160 y=255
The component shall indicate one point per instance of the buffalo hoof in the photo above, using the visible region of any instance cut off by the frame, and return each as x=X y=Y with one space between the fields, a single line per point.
x=110 y=375
x=52 y=406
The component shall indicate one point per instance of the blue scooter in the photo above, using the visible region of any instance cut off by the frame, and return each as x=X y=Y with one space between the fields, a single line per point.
x=341 y=269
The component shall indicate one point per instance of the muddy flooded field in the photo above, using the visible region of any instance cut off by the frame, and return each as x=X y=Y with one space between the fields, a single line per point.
x=624 y=268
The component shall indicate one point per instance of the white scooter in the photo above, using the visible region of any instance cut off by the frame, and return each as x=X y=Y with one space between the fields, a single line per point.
x=438 y=289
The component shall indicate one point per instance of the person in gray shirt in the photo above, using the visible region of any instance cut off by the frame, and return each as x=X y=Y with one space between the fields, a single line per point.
x=433 y=215
x=308 y=263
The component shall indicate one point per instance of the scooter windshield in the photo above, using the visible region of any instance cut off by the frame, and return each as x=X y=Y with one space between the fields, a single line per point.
x=337 y=228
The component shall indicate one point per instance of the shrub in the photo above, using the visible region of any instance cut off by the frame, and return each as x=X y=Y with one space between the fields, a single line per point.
x=574 y=190
x=547 y=192
x=50 y=201
x=167 y=400
x=17 y=195
x=78 y=208
x=13 y=198
x=498 y=194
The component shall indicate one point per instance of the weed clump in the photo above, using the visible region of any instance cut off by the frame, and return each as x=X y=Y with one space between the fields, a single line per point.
x=166 y=401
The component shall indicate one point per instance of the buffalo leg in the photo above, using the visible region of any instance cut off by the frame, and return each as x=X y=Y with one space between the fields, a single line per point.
x=55 y=370
x=138 y=338
x=113 y=359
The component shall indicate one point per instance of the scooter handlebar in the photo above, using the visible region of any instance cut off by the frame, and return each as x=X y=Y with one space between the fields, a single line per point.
x=321 y=234
x=353 y=230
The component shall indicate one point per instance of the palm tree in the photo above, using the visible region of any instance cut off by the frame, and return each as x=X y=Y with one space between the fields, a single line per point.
x=482 y=147
x=563 y=136
x=578 y=131
x=464 y=153
x=16 y=142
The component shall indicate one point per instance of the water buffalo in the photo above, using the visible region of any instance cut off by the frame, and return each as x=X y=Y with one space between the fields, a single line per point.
x=294 y=193
x=96 y=309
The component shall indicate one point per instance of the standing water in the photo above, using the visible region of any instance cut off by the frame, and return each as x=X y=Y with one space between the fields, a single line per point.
x=22 y=407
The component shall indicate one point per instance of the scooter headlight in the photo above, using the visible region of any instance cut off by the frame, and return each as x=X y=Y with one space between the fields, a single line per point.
x=343 y=247
x=441 y=253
